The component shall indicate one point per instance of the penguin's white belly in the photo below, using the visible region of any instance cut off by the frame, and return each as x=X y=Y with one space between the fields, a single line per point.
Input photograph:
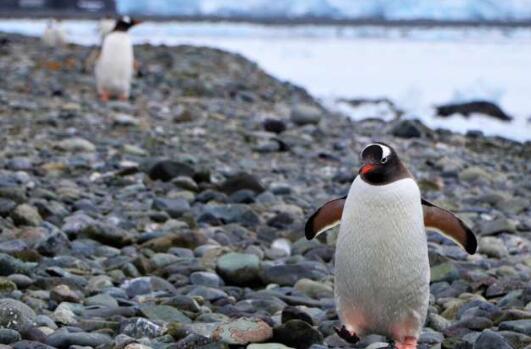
x=381 y=267
x=114 y=68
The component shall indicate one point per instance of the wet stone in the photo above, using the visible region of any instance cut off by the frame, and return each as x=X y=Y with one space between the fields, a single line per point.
x=164 y=313
x=491 y=340
x=15 y=315
x=305 y=114
x=140 y=327
x=521 y=326
x=297 y=334
x=26 y=215
x=8 y=336
x=293 y=313
x=63 y=339
x=205 y=279
x=289 y=274
x=238 y=268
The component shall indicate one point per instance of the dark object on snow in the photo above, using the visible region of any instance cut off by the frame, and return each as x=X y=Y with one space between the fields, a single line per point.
x=480 y=107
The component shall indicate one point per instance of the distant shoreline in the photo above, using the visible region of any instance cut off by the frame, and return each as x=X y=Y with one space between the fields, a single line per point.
x=278 y=21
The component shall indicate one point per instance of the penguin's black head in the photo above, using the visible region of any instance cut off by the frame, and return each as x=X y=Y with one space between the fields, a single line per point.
x=125 y=23
x=381 y=165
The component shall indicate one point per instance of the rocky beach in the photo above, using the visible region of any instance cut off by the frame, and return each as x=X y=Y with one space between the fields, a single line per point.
x=176 y=220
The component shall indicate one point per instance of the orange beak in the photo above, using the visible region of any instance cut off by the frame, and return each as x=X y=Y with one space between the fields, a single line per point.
x=367 y=168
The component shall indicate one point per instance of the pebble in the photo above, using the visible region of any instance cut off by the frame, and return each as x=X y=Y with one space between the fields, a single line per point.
x=26 y=215
x=491 y=340
x=314 y=289
x=164 y=313
x=64 y=340
x=297 y=334
x=76 y=144
x=64 y=314
x=243 y=331
x=27 y=344
x=174 y=207
x=497 y=226
x=474 y=174
x=492 y=247
x=238 y=268
x=166 y=170
x=63 y=293
x=407 y=129
x=7 y=286
x=233 y=213
x=140 y=327
x=305 y=114
x=274 y=125
x=8 y=336
x=521 y=326
x=293 y=313
x=15 y=315
x=205 y=279
x=241 y=181
x=444 y=272
x=20 y=280
x=289 y=274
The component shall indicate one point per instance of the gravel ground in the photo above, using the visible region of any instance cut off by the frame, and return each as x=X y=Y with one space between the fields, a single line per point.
x=176 y=220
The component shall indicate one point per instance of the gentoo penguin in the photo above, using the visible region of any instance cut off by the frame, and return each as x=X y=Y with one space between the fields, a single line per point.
x=105 y=26
x=54 y=34
x=114 y=66
x=382 y=272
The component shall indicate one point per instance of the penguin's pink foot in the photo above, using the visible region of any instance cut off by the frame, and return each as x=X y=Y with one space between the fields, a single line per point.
x=348 y=336
x=408 y=343
x=123 y=97
x=104 y=96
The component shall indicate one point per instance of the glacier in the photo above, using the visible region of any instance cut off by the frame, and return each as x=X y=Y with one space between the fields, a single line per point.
x=447 y=10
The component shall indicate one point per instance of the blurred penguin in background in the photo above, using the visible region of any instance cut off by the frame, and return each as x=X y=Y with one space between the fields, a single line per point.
x=105 y=26
x=114 y=66
x=54 y=35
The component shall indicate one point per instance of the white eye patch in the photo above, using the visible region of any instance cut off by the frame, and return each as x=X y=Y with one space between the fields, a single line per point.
x=386 y=151
x=126 y=19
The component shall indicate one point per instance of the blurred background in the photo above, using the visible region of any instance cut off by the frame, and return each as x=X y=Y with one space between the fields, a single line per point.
x=364 y=58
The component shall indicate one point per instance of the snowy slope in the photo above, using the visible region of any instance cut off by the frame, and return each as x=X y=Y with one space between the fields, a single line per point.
x=505 y=10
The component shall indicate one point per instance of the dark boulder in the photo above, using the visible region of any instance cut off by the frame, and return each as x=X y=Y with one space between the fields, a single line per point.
x=479 y=107
x=166 y=170
x=241 y=181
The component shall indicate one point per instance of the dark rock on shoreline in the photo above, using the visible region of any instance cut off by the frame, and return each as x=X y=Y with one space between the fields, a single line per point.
x=475 y=107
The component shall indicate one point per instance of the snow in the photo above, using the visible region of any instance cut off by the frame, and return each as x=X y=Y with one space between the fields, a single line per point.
x=508 y=10
x=415 y=68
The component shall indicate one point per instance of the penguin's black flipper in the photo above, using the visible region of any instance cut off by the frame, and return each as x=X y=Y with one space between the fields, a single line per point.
x=449 y=225
x=326 y=217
